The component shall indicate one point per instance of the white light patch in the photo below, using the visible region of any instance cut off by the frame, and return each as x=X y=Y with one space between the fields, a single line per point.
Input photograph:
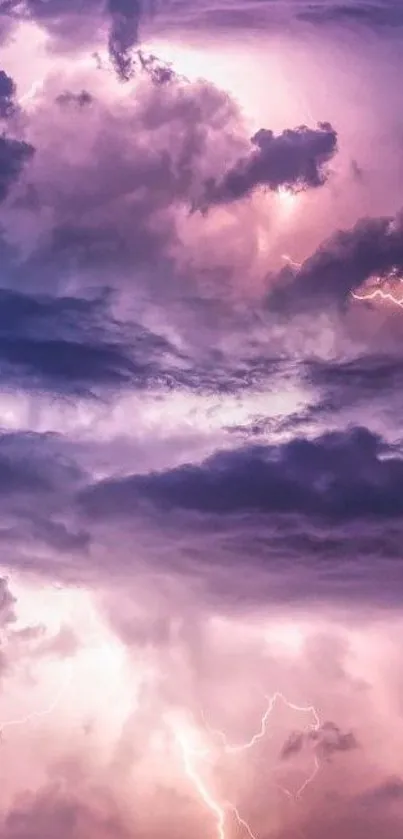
x=287 y=200
x=288 y=638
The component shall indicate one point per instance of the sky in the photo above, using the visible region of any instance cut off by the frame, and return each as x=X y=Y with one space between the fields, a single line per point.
x=201 y=456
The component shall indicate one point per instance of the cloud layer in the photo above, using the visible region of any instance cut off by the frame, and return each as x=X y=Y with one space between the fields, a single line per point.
x=201 y=470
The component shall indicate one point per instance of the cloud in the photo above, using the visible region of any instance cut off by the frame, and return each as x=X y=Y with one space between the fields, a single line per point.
x=72 y=25
x=68 y=23
x=133 y=334
x=7 y=95
x=33 y=464
x=73 y=345
x=124 y=32
x=80 y=100
x=7 y=603
x=388 y=792
x=111 y=187
x=339 y=476
x=14 y=154
x=295 y=159
x=55 y=809
x=343 y=263
x=346 y=382
x=327 y=740
x=373 y=14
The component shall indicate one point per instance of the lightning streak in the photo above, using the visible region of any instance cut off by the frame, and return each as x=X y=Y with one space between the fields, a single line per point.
x=381 y=294
x=241 y=821
x=189 y=753
x=373 y=294
x=216 y=809
x=308 y=780
x=296 y=265
x=240 y=747
x=42 y=713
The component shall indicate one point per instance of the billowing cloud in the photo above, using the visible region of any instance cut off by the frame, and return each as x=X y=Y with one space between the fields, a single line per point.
x=294 y=159
x=201 y=473
x=372 y=248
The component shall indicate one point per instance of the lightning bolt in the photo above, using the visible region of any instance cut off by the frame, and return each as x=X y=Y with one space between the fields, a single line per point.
x=296 y=265
x=230 y=748
x=41 y=713
x=373 y=294
x=55 y=702
x=272 y=700
x=189 y=754
x=307 y=781
x=381 y=294
x=217 y=810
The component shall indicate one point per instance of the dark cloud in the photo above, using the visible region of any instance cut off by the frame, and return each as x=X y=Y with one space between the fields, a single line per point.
x=338 y=476
x=39 y=477
x=124 y=33
x=80 y=100
x=296 y=159
x=74 y=23
x=160 y=72
x=327 y=741
x=293 y=745
x=7 y=95
x=373 y=247
x=388 y=792
x=62 y=364
x=353 y=381
x=7 y=603
x=69 y=23
x=33 y=464
x=14 y=154
x=73 y=345
x=373 y=14
x=70 y=345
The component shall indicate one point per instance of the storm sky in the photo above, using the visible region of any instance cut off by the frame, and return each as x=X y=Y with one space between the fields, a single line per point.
x=201 y=454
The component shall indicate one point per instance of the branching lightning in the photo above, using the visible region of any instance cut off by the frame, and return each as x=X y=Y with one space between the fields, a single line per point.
x=191 y=744
x=240 y=747
x=217 y=809
x=190 y=754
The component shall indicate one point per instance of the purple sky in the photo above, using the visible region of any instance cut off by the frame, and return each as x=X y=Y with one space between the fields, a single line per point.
x=201 y=467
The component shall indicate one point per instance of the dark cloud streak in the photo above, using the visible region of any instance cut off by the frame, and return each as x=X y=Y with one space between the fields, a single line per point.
x=338 y=477
x=294 y=159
